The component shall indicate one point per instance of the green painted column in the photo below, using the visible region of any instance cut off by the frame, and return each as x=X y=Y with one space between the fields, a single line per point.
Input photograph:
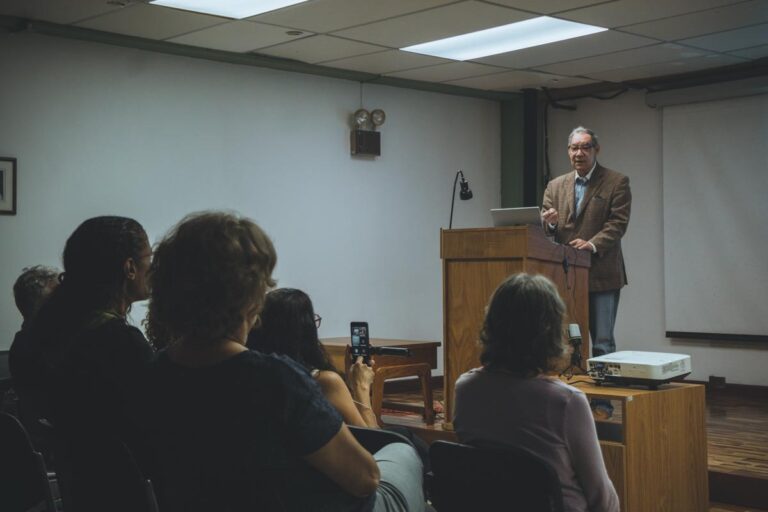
x=512 y=152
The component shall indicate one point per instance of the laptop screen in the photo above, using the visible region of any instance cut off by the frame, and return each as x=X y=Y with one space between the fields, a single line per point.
x=516 y=216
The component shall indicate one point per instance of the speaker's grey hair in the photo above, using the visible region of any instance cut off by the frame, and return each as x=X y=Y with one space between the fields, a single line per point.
x=581 y=129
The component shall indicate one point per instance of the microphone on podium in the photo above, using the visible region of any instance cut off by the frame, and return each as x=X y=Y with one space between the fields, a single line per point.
x=465 y=194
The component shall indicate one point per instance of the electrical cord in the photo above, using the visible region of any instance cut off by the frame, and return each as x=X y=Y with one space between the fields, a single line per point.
x=580 y=379
x=570 y=284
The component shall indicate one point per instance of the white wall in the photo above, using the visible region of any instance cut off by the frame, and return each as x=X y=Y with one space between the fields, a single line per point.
x=630 y=136
x=106 y=130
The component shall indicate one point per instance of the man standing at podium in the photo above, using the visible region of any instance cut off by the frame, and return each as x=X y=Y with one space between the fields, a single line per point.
x=588 y=209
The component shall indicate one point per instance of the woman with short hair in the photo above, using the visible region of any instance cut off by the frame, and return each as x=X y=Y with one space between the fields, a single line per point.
x=235 y=429
x=516 y=399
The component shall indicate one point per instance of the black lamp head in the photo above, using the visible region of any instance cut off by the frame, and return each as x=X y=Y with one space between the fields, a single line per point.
x=464 y=194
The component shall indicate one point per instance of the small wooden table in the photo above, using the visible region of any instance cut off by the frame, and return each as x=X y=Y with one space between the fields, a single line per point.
x=421 y=352
x=423 y=358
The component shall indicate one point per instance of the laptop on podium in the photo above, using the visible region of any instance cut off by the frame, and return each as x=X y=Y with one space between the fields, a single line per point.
x=516 y=216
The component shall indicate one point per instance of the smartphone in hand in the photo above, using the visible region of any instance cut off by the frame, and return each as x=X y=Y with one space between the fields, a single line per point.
x=361 y=343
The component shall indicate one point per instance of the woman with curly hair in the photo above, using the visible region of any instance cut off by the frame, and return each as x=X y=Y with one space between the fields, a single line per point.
x=237 y=429
x=516 y=399
x=288 y=327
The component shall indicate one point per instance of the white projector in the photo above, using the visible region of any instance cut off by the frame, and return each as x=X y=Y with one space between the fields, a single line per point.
x=647 y=368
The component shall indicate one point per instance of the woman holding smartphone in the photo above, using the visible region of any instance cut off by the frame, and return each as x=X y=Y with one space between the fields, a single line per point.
x=288 y=326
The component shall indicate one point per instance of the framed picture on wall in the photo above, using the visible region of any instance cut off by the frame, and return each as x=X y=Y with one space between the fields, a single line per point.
x=7 y=186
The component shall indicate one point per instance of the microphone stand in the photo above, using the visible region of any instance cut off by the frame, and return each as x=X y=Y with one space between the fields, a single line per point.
x=453 y=196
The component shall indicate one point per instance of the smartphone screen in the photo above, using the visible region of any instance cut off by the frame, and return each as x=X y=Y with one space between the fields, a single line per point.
x=361 y=344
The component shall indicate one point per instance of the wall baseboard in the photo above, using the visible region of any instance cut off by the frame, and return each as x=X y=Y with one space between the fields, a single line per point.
x=740 y=490
x=745 y=390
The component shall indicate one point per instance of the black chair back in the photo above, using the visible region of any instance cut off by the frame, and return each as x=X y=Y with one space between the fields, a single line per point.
x=491 y=478
x=23 y=478
x=98 y=473
x=373 y=439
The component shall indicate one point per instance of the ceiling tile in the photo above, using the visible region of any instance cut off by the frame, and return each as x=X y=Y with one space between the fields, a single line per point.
x=629 y=12
x=635 y=57
x=328 y=15
x=756 y=52
x=704 y=22
x=446 y=72
x=56 y=11
x=236 y=36
x=320 y=48
x=385 y=62
x=665 y=68
x=515 y=80
x=451 y=20
x=151 y=21
x=748 y=37
x=580 y=47
x=547 y=6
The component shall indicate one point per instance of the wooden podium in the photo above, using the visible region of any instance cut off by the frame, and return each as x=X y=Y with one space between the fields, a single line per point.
x=475 y=262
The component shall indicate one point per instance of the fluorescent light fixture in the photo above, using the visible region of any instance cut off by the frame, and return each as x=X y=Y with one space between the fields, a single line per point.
x=506 y=38
x=238 y=9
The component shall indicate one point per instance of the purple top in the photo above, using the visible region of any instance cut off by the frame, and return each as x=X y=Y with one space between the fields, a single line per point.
x=543 y=416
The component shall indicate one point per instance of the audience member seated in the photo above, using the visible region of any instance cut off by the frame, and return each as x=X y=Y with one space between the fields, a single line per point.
x=288 y=325
x=95 y=357
x=236 y=429
x=25 y=359
x=30 y=291
x=516 y=399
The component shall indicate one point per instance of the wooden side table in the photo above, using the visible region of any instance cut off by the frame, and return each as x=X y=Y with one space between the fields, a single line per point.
x=421 y=352
x=423 y=358
x=655 y=449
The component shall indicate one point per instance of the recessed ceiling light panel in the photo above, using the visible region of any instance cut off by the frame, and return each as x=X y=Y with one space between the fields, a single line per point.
x=506 y=38
x=238 y=9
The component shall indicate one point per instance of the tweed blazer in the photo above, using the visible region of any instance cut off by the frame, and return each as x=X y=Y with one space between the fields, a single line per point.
x=603 y=221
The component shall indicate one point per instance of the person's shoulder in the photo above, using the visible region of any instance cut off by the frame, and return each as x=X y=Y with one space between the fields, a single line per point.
x=327 y=377
x=611 y=175
x=558 y=387
x=275 y=363
x=478 y=379
x=471 y=375
x=117 y=328
x=329 y=381
x=559 y=180
x=21 y=341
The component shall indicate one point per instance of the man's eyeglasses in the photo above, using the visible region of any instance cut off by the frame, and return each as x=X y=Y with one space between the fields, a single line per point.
x=584 y=147
x=318 y=320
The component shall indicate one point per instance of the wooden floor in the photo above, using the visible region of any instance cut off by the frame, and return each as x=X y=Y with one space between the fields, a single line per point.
x=719 y=507
x=737 y=431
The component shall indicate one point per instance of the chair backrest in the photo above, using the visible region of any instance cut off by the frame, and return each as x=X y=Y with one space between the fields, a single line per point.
x=473 y=478
x=100 y=473
x=23 y=477
x=373 y=439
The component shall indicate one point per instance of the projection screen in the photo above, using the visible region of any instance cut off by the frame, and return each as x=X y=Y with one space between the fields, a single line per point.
x=715 y=172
